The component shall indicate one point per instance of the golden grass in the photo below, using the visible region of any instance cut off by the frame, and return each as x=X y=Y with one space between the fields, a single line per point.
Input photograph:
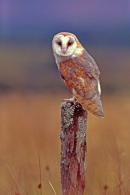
x=30 y=126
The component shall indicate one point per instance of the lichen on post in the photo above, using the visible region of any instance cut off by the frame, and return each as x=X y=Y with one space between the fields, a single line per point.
x=73 y=148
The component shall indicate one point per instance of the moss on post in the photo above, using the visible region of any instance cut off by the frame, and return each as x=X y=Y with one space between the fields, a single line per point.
x=73 y=148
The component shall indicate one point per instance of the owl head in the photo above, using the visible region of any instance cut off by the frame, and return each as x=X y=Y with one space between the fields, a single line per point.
x=65 y=44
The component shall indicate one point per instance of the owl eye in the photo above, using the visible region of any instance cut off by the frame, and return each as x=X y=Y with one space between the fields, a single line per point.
x=70 y=43
x=59 y=43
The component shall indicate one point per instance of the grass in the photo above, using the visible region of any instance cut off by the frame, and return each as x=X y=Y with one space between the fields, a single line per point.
x=30 y=145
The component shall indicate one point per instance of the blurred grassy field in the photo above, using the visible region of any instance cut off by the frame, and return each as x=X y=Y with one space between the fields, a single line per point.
x=30 y=124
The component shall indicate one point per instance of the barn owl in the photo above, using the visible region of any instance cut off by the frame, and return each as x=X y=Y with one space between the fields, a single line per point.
x=79 y=71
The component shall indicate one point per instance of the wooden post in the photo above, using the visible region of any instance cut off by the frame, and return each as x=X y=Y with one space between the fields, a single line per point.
x=73 y=148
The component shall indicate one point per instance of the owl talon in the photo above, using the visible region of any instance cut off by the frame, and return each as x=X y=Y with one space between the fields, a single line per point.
x=73 y=100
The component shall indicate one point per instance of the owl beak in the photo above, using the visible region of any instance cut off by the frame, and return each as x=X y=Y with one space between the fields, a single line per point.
x=64 y=50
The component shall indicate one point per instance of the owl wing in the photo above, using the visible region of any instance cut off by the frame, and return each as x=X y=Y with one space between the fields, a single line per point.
x=81 y=76
x=86 y=87
x=90 y=72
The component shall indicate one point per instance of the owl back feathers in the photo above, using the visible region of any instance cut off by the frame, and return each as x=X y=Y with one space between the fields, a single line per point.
x=81 y=76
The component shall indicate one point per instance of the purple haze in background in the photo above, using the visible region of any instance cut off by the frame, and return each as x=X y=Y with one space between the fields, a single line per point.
x=66 y=14
x=27 y=28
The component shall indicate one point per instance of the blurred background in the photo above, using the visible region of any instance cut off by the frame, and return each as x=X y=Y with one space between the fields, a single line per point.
x=31 y=92
x=27 y=29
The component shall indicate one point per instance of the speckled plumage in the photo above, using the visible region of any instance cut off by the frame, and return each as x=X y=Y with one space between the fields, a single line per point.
x=79 y=72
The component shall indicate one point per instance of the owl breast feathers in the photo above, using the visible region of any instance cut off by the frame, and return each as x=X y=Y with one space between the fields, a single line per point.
x=79 y=72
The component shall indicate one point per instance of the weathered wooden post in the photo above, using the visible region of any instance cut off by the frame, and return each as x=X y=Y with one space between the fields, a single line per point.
x=73 y=148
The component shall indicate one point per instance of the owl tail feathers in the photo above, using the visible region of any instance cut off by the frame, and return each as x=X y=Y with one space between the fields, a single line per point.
x=92 y=105
x=94 y=109
x=99 y=113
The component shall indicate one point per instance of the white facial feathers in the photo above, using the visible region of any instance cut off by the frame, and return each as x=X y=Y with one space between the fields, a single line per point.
x=64 y=45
